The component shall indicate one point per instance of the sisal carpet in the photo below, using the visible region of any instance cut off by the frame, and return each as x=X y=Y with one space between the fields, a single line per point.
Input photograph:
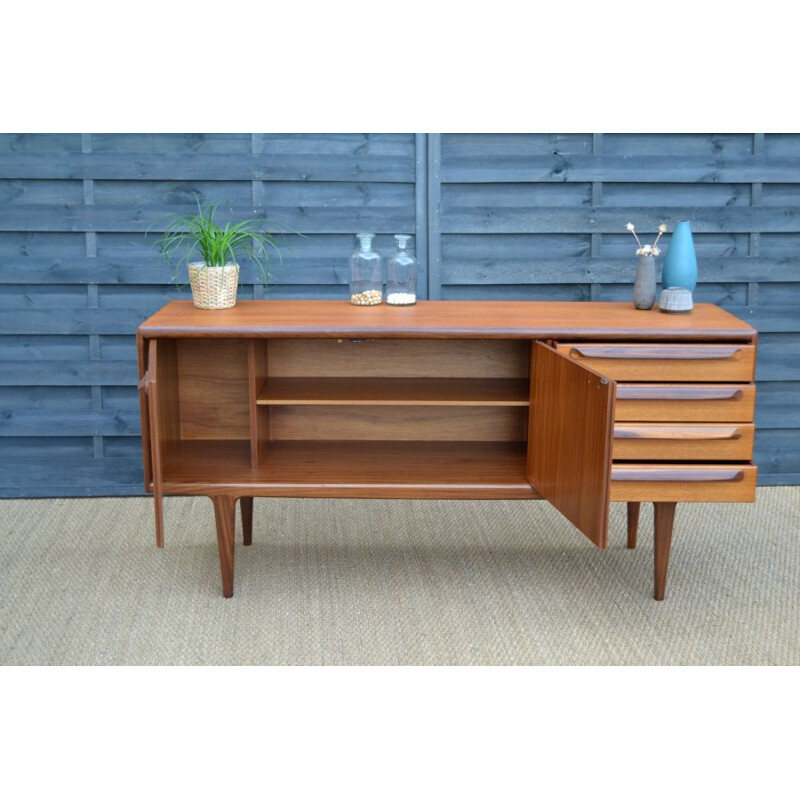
x=395 y=582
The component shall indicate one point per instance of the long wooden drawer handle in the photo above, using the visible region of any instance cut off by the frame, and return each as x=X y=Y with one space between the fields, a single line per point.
x=677 y=393
x=678 y=475
x=692 y=353
x=676 y=432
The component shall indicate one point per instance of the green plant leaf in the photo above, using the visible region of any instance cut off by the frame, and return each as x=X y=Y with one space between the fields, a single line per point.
x=187 y=236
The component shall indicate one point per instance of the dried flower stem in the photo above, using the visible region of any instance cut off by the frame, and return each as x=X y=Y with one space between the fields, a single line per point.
x=647 y=249
x=662 y=229
x=630 y=227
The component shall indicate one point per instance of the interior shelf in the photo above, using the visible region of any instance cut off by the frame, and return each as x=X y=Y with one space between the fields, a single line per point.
x=395 y=391
x=356 y=469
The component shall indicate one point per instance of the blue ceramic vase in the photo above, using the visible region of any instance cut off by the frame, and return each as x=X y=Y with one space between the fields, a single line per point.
x=680 y=264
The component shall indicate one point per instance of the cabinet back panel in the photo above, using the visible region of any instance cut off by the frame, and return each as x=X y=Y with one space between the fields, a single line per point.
x=406 y=423
x=398 y=358
x=213 y=388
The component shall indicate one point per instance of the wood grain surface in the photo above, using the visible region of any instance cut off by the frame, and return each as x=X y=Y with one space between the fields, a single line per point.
x=667 y=362
x=569 y=454
x=403 y=423
x=455 y=319
x=165 y=422
x=663 y=521
x=225 y=513
x=479 y=470
x=649 y=402
x=398 y=358
x=395 y=391
x=257 y=371
x=700 y=482
x=213 y=387
x=682 y=442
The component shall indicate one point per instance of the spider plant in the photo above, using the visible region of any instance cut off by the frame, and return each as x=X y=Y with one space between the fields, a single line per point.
x=189 y=236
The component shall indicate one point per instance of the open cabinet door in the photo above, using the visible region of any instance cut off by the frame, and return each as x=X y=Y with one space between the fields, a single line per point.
x=143 y=353
x=159 y=393
x=569 y=439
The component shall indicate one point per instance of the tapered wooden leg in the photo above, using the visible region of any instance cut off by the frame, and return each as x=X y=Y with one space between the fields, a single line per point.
x=664 y=517
x=633 y=524
x=225 y=513
x=246 y=505
x=158 y=499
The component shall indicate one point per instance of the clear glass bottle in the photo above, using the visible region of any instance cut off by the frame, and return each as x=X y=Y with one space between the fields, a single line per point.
x=366 y=273
x=401 y=277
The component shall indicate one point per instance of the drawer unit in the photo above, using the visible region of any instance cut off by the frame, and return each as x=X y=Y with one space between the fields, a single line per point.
x=685 y=403
x=710 y=483
x=676 y=363
x=665 y=442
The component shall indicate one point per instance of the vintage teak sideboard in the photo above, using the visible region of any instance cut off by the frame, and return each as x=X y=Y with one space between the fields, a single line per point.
x=581 y=404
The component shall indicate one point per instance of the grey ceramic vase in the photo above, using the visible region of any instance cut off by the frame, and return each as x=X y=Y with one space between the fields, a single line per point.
x=644 y=288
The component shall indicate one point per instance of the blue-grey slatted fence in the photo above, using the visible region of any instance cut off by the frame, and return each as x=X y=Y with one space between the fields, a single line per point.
x=537 y=216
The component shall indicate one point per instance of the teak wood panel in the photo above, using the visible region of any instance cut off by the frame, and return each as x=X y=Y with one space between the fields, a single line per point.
x=453 y=320
x=163 y=390
x=569 y=452
x=259 y=417
x=410 y=358
x=709 y=402
x=665 y=442
x=214 y=388
x=164 y=419
x=395 y=391
x=399 y=423
x=457 y=470
x=702 y=483
x=666 y=362
x=142 y=346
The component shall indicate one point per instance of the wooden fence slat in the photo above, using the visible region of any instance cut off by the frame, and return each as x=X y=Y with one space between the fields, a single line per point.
x=40 y=143
x=680 y=145
x=103 y=422
x=608 y=220
x=484 y=167
x=384 y=144
x=73 y=321
x=776 y=404
x=148 y=270
x=153 y=219
x=777 y=451
x=535 y=270
x=776 y=319
x=434 y=190
x=230 y=167
x=314 y=194
x=524 y=144
x=84 y=477
x=778 y=478
x=68 y=373
x=420 y=213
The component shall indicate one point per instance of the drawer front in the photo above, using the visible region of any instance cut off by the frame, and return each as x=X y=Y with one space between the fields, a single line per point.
x=667 y=362
x=638 y=402
x=710 y=483
x=663 y=442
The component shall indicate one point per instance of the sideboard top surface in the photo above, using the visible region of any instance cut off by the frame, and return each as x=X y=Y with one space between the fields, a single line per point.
x=445 y=319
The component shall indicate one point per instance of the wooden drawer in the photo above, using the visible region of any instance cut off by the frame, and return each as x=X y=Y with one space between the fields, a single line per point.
x=710 y=483
x=645 y=402
x=663 y=442
x=667 y=362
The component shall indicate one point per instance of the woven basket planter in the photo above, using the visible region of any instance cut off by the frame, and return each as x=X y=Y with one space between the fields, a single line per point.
x=214 y=287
